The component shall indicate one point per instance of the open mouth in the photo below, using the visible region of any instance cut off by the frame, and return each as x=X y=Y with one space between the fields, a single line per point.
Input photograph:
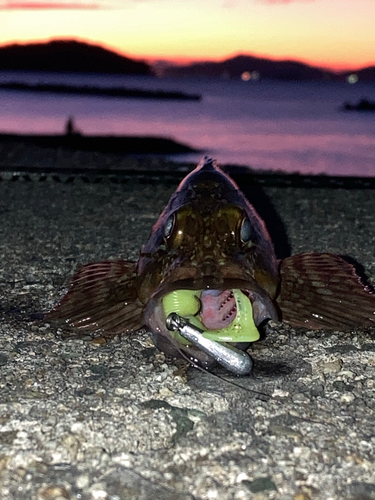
x=212 y=321
x=221 y=315
x=208 y=324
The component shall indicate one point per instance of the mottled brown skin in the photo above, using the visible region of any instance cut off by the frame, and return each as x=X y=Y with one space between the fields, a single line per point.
x=210 y=237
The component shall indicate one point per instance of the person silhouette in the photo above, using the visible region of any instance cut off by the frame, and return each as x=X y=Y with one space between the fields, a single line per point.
x=70 y=128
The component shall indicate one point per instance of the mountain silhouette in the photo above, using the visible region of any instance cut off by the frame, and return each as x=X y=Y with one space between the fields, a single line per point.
x=68 y=56
x=366 y=74
x=77 y=56
x=257 y=67
x=236 y=66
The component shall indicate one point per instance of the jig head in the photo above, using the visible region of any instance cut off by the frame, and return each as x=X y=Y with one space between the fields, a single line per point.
x=231 y=358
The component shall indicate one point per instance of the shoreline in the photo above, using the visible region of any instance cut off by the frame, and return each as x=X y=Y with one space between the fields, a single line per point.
x=132 y=157
x=75 y=141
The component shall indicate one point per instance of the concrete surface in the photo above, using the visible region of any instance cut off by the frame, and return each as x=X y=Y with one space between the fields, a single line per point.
x=80 y=420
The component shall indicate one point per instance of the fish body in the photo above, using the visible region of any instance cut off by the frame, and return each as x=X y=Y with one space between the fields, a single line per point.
x=210 y=252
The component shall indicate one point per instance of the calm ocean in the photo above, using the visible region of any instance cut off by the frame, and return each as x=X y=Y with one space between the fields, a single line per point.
x=293 y=127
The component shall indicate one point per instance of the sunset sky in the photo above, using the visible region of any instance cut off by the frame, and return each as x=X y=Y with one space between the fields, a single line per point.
x=338 y=34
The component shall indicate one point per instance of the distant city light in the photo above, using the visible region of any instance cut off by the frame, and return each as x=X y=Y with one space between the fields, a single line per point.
x=249 y=75
x=352 y=78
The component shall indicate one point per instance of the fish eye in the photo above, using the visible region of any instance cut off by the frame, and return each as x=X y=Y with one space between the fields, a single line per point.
x=245 y=231
x=169 y=226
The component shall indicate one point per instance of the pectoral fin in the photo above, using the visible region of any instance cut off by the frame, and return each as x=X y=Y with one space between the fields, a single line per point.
x=102 y=298
x=322 y=290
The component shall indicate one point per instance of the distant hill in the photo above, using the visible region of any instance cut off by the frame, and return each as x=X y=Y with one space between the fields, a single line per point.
x=366 y=74
x=68 y=56
x=264 y=68
x=81 y=57
x=235 y=67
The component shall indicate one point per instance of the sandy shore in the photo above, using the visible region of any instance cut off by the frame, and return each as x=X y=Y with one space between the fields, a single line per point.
x=120 y=421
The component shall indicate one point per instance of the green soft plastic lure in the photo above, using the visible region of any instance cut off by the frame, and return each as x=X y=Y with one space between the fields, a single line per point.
x=186 y=303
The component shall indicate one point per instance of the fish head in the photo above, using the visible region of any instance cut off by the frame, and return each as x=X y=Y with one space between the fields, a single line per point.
x=208 y=240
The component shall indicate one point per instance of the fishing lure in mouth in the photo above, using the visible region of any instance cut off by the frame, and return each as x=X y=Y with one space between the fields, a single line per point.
x=208 y=278
x=189 y=329
x=188 y=304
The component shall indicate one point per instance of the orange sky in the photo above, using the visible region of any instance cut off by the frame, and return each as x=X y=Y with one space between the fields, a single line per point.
x=339 y=34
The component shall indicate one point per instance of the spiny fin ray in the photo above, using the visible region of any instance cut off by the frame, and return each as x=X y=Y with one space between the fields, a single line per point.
x=102 y=298
x=322 y=290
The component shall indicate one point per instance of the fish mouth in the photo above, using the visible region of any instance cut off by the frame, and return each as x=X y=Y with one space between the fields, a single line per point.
x=224 y=315
x=229 y=313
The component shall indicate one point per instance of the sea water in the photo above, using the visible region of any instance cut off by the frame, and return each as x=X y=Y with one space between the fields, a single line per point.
x=266 y=125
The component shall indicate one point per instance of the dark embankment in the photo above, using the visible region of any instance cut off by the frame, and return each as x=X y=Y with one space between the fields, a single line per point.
x=101 y=143
x=121 y=92
x=362 y=105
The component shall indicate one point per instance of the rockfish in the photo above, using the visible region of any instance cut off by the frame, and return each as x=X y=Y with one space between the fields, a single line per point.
x=208 y=278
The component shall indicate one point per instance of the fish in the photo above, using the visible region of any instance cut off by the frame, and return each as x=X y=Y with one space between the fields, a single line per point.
x=209 y=275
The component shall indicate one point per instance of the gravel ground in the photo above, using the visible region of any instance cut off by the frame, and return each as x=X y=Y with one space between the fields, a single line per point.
x=83 y=420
